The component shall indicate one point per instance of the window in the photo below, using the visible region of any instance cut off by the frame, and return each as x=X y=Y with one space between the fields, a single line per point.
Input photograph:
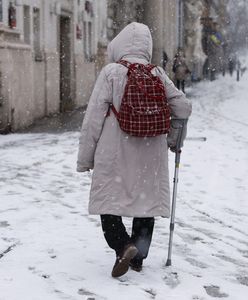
x=1 y=92
x=89 y=8
x=88 y=41
x=26 y=29
x=1 y=10
x=36 y=34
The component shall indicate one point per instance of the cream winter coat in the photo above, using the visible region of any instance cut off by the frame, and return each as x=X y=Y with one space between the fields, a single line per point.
x=130 y=176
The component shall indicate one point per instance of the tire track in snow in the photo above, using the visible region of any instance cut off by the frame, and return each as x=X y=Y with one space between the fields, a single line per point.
x=217 y=220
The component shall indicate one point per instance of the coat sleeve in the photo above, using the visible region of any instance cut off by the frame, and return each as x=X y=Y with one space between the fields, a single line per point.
x=180 y=110
x=180 y=106
x=93 y=122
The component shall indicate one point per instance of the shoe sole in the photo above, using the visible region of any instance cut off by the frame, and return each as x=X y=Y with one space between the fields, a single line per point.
x=123 y=265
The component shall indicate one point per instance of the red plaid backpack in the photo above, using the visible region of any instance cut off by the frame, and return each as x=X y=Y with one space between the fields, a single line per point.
x=144 y=110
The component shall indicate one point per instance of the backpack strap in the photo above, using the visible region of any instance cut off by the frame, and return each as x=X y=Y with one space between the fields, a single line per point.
x=149 y=67
x=131 y=66
x=125 y=63
x=112 y=107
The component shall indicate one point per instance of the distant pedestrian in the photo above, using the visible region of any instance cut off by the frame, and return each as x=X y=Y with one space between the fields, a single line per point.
x=130 y=177
x=231 y=64
x=180 y=69
x=214 y=47
x=165 y=60
x=238 y=69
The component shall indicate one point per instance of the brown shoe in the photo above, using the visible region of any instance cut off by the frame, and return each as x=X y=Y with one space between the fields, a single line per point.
x=122 y=262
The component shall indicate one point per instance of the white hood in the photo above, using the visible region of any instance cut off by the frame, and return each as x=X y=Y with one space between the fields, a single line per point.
x=134 y=40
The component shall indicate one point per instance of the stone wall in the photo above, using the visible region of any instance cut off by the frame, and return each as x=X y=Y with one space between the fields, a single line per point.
x=52 y=83
x=85 y=79
x=34 y=86
x=16 y=87
x=39 y=89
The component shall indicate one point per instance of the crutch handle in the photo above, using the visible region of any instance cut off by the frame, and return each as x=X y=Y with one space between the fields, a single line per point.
x=182 y=125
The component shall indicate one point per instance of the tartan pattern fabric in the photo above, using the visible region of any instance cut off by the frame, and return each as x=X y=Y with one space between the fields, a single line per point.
x=144 y=110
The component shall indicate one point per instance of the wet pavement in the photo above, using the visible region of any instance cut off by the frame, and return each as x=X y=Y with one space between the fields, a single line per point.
x=58 y=123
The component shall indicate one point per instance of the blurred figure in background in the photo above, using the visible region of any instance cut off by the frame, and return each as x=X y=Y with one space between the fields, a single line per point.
x=180 y=69
x=214 y=47
x=164 y=60
x=232 y=63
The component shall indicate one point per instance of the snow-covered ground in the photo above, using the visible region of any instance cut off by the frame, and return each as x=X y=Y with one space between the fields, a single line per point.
x=51 y=249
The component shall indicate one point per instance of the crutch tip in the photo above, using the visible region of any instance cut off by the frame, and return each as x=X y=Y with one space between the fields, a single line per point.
x=168 y=263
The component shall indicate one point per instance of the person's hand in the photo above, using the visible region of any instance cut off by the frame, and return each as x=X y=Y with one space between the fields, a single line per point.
x=173 y=149
x=177 y=134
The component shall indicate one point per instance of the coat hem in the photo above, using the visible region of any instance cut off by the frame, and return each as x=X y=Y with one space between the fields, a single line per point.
x=165 y=215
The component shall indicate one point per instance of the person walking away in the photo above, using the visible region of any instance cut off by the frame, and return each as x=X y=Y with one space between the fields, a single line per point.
x=180 y=69
x=238 y=64
x=165 y=60
x=232 y=61
x=130 y=176
x=216 y=53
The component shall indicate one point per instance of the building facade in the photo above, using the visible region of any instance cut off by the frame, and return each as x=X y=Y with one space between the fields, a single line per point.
x=52 y=50
x=47 y=56
x=202 y=19
x=165 y=19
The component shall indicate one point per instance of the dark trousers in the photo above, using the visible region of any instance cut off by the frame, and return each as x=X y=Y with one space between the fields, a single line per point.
x=117 y=237
x=181 y=85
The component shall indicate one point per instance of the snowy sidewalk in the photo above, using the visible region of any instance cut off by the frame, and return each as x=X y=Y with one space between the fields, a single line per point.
x=50 y=248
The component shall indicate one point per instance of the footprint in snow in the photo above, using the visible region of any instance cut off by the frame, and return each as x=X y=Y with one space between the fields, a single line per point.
x=62 y=295
x=123 y=280
x=38 y=272
x=236 y=262
x=84 y=292
x=196 y=263
x=243 y=280
x=244 y=253
x=94 y=221
x=195 y=297
x=4 y=224
x=241 y=187
x=51 y=253
x=171 y=279
x=151 y=292
x=214 y=291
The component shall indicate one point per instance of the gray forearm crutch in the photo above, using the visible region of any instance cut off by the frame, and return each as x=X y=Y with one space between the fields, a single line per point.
x=175 y=182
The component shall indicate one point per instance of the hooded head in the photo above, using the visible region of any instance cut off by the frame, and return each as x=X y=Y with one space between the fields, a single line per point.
x=134 y=40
